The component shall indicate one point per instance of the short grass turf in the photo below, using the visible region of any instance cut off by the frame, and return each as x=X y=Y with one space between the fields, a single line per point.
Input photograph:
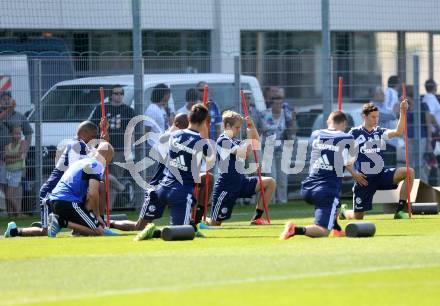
x=235 y=265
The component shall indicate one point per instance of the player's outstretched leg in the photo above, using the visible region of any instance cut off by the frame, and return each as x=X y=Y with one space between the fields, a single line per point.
x=400 y=175
x=269 y=186
x=313 y=231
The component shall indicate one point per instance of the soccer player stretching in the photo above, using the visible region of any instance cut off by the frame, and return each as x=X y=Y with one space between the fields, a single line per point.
x=186 y=151
x=232 y=184
x=75 y=199
x=369 y=172
x=329 y=155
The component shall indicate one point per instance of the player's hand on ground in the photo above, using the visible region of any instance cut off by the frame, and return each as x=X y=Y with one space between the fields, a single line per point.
x=360 y=178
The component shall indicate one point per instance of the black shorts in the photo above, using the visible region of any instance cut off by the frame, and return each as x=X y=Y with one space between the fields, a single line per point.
x=75 y=213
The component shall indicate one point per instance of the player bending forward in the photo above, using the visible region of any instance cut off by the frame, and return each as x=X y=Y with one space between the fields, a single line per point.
x=370 y=174
x=322 y=187
x=151 y=209
x=75 y=199
x=231 y=184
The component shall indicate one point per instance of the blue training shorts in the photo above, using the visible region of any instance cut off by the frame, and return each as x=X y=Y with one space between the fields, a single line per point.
x=223 y=200
x=363 y=195
x=326 y=206
x=180 y=199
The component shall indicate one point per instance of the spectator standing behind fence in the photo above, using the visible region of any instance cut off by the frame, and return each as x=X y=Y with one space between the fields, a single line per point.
x=391 y=99
x=386 y=118
x=214 y=112
x=278 y=124
x=8 y=119
x=428 y=167
x=268 y=93
x=158 y=118
x=118 y=115
x=15 y=166
x=191 y=98
x=431 y=101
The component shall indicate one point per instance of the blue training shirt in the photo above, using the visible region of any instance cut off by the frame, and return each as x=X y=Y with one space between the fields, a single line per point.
x=228 y=163
x=74 y=183
x=370 y=147
x=328 y=157
x=184 y=158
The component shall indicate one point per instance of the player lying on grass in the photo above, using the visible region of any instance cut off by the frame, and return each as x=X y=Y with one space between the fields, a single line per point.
x=75 y=199
x=187 y=149
x=369 y=172
x=323 y=185
x=151 y=210
x=231 y=183
x=74 y=150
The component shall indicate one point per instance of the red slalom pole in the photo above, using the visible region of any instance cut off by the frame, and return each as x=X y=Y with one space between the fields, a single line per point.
x=107 y=194
x=245 y=109
x=196 y=195
x=206 y=195
x=340 y=94
x=408 y=179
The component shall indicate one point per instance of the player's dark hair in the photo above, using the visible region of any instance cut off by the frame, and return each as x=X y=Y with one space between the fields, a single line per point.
x=393 y=81
x=198 y=113
x=191 y=95
x=369 y=108
x=181 y=121
x=87 y=126
x=430 y=85
x=337 y=117
x=159 y=92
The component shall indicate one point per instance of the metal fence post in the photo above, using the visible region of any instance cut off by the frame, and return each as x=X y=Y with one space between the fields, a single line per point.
x=417 y=119
x=38 y=116
x=138 y=80
x=325 y=58
x=237 y=84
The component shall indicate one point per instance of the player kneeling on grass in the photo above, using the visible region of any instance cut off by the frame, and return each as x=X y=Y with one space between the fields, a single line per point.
x=77 y=193
x=322 y=187
x=187 y=149
x=370 y=174
x=74 y=150
x=232 y=184
x=151 y=209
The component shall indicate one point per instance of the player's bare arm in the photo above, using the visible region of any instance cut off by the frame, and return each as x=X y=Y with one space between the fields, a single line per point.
x=360 y=178
x=398 y=131
x=93 y=198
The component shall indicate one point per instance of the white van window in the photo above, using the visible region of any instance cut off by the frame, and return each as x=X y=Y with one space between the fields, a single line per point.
x=74 y=103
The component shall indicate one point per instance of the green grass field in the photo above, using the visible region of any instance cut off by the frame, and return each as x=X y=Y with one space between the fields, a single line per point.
x=235 y=265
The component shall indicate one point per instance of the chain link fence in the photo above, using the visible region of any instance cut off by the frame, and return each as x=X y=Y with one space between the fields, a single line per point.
x=55 y=98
